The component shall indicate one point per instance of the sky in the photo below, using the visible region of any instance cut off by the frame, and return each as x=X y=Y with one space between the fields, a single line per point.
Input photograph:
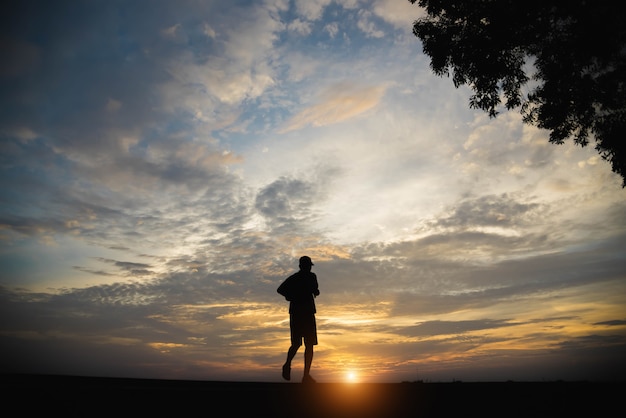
x=164 y=164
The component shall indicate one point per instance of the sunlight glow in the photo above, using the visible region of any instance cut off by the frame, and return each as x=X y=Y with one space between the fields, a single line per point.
x=351 y=377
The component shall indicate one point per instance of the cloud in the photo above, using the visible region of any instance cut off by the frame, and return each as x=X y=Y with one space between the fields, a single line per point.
x=290 y=204
x=337 y=103
x=400 y=14
x=311 y=9
x=332 y=29
x=616 y=322
x=367 y=295
x=285 y=199
x=132 y=268
x=300 y=27
x=367 y=26
x=172 y=31
x=489 y=210
x=431 y=328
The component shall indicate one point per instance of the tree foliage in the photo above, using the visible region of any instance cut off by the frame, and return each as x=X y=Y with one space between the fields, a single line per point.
x=576 y=50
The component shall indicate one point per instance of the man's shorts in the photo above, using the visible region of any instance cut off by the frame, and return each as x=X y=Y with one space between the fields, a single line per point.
x=303 y=327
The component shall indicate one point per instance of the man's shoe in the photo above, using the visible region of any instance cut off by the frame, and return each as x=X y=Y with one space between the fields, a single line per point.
x=286 y=372
x=308 y=379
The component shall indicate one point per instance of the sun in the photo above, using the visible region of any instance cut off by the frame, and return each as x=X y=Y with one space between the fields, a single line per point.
x=351 y=376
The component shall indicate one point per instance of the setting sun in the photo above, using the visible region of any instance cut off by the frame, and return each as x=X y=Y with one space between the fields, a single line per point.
x=351 y=377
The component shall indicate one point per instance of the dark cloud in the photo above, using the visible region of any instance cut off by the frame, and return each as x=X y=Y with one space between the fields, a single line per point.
x=431 y=328
x=126 y=265
x=491 y=210
x=92 y=271
x=615 y=322
x=91 y=109
x=130 y=268
x=287 y=202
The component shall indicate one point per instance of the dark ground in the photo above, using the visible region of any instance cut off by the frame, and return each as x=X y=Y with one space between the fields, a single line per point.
x=86 y=396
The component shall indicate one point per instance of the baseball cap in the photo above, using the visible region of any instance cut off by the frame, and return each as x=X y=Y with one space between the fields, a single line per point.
x=306 y=260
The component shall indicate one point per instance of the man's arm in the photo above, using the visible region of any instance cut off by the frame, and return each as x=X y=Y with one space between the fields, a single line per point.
x=283 y=289
x=316 y=290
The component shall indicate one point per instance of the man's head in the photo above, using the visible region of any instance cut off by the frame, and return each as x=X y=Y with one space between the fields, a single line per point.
x=306 y=263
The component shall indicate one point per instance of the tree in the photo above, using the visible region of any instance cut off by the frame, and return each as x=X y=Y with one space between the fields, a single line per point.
x=576 y=50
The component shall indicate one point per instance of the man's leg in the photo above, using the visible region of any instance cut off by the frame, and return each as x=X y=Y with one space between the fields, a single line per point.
x=291 y=353
x=310 y=340
x=308 y=358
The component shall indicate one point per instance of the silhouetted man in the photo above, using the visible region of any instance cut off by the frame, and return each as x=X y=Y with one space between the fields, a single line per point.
x=300 y=290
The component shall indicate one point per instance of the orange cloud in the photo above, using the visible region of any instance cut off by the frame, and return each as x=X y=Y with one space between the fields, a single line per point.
x=339 y=102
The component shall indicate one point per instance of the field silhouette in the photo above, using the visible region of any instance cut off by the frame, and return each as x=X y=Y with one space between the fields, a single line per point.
x=87 y=396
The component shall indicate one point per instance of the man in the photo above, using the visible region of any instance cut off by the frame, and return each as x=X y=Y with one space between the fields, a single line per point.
x=300 y=290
